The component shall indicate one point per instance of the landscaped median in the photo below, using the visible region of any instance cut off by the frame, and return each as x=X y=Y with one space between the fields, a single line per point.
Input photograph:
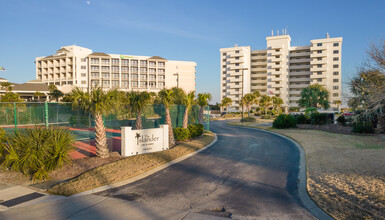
x=345 y=173
x=129 y=167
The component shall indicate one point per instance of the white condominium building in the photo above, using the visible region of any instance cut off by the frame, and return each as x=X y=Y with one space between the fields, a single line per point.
x=79 y=66
x=281 y=70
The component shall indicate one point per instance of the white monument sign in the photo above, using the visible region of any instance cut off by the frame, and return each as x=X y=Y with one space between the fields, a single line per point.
x=143 y=141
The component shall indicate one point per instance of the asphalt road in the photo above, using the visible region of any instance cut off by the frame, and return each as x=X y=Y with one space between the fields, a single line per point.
x=245 y=174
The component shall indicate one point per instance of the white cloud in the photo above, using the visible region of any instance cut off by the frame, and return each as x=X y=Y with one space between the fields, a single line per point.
x=88 y=2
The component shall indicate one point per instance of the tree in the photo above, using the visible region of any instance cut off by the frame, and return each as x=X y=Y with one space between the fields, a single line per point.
x=10 y=97
x=277 y=102
x=265 y=102
x=98 y=103
x=248 y=100
x=226 y=102
x=338 y=103
x=52 y=87
x=188 y=101
x=203 y=100
x=137 y=102
x=38 y=95
x=167 y=99
x=314 y=96
x=57 y=94
x=6 y=86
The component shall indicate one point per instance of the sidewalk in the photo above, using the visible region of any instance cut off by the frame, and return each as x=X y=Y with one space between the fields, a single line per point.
x=13 y=196
x=97 y=207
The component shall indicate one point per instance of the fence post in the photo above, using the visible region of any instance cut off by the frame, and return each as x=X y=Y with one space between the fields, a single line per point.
x=14 y=114
x=46 y=113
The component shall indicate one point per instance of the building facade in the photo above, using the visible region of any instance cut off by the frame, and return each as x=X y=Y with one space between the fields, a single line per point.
x=281 y=70
x=79 y=66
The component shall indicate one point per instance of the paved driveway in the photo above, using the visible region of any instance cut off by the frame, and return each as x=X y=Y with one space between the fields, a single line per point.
x=245 y=174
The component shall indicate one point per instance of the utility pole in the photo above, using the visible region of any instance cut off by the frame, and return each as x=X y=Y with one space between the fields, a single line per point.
x=242 y=90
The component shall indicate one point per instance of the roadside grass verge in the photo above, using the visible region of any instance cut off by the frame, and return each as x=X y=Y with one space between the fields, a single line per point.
x=128 y=167
x=345 y=173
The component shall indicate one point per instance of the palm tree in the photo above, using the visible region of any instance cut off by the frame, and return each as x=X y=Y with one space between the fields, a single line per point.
x=277 y=102
x=188 y=102
x=167 y=99
x=38 y=95
x=52 y=87
x=57 y=94
x=226 y=102
x=248 y=100
x=98 y=103
x=6 y=86
x=314 y=96
x=203 y=100
x=137 y=102
x=265 y=102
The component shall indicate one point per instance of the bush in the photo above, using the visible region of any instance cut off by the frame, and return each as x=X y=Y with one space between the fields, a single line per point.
x=181 y=134
x=342 y=120
x=285 y=121
x=248 y=119
x=36 y=152
x=195 y=130
x=2 y=135
x=265 y=116
x=363 y=127
x=319 y=118
x=227 y=116
x=302 y=119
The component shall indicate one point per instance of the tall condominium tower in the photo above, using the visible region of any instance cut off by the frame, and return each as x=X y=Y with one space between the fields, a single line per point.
x=281 y=70
x=79 y=66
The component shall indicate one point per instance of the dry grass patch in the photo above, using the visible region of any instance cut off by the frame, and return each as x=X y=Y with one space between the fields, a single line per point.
x=128 y=167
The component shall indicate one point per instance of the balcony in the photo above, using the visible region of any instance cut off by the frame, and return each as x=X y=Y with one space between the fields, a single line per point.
x=276 y=79
x=315 y=62
x=315 y=54
x=303 y=60
x=260 y=69
x=300 y=80
x=298 y=86
x=295 y=92
x=276 y=66
x=315 y=48
x=295 y=98
x=300 y=73
x=258 y=87
x=273 y=72
x=300 y=54
x=296 y=67
x=279 y=85
x=274 y=59
x=317 y=69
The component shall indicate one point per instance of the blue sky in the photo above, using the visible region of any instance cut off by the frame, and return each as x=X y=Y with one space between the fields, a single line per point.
x=180 y=30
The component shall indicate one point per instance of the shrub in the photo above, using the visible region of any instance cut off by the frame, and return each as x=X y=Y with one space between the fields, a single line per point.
x=2 y=135
x=248 y=119
x=310 y=111
x=36 y=152
x=227 y=116
x=285 y=121
x=319 y=118
x=363 y=127
x=195 y=130
x=265 y=116
x=181 y=134
x=342 y=120
x=302 y=119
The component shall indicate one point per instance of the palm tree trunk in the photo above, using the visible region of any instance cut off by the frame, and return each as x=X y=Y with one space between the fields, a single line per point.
x=200 y=117
x=101 y=140
x=185 y=117
x=171 y=140
x=138 y=122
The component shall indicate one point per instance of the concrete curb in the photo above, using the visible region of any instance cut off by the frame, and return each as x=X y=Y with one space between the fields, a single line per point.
x=143 y=175
x=302 y=179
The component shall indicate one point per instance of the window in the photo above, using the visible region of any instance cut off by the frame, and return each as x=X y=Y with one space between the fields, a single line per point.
x=335 y=66
x=319 y=51
x=319 y=58
x=237 y=77
x=319 y=73
x=224 y=66
x=335 y=80
x=237 y=58
x=237 y=71
x=336 y=58
x=83 y=67
x=335 y=73
x=335 y=94
x=335 y=87
x=335 y=51
x=319 y=65
x=237 y=83
x=237 y=64
x=84 y=82
x=224 y=54
x=224 y=60
x=336 y=44
x=83 y=59
x=224 y=72
x=319 y=80
x=237 y=51
x=84 y=75
x=319 y=45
